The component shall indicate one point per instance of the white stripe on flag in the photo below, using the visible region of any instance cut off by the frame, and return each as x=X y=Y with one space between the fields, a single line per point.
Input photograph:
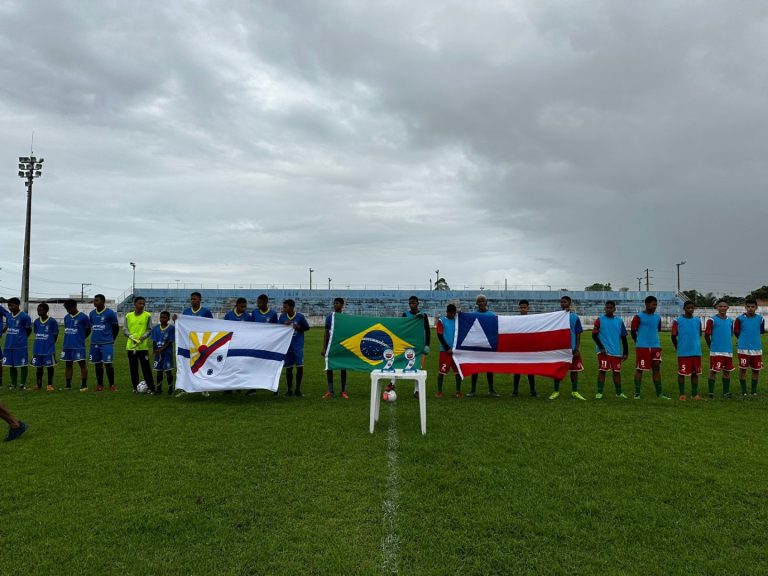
x=533 y=323
x=546 y=357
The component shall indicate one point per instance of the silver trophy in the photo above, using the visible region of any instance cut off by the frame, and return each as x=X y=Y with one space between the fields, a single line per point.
x=410 y=356
x=389 y=359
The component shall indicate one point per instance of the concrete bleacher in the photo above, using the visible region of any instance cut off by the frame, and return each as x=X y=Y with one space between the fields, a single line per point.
x=315 y=304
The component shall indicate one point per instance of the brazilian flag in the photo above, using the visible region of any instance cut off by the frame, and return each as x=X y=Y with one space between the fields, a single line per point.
x=358 y=342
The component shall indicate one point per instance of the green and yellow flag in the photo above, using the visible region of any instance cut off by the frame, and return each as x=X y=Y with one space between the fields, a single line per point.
x=359 y=342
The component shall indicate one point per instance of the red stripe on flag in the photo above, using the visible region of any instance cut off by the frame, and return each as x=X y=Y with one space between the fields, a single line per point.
x=536 y=341
x=557 y=370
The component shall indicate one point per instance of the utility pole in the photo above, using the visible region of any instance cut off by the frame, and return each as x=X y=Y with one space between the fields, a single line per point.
x=82 y=291
x=310 y=278
x=648 y=278
x=639 y=283
x=29 y=168
x=678 y=274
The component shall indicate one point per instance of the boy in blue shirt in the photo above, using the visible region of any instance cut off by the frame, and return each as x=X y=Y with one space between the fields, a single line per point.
x=163 y=336
x=77 y=327
x=686 y=338
x=104 y=329
x=748 y=328
x=196 y=307
x=262 y=312
x=338 y=307
x=295 y=356
x=719 y=337
x=645 y=330
x=610 y=336
x=481 y=302
x=522 y=307
x=240 y=312
x=44 y=348
x=18 y=329
x=576 y=364
x=446 y=330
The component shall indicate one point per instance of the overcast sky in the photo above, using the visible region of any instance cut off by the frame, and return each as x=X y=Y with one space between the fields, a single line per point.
x=243 y=142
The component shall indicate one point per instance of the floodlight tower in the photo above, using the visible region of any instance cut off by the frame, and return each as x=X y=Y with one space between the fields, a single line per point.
x=29 y=169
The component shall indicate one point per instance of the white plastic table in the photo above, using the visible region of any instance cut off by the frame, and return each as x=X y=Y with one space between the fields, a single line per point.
x=376 y=391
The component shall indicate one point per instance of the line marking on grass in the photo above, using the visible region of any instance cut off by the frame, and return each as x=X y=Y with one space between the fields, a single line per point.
x=390 y=543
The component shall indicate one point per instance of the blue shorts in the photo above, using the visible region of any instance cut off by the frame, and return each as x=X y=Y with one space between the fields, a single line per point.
x=101 y=353
x=163 y=362
x=15 y=357
x=294 y=358
x=40 y=360
x=73 y=354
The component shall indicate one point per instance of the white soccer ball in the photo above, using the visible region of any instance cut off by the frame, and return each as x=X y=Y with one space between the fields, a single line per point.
x=390 y=396
x=142 y=388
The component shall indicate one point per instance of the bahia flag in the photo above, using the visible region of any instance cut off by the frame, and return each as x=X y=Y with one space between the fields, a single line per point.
x=215 y=355
x=358 y=342
x=538 y=344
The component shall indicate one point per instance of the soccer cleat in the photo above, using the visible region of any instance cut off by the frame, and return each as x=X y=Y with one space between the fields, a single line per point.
x=170 y=390
x=15 y=433
x=622 y=396
x=554 y=396
x=754 y=395
x=345 y=395
x=682 y=398
x=38 y=388
x=493 y=394
x=439 y=394
x=83 y=388
x=534 y=394
x=298 y=393
x=99 y=388
x=470 y=394
x=599 y=396
x=289 y=393
x=24 y=388
x=49 y=388
x=728 y=396
x=637 y=396
x=459 y=394
x=663 y=397
x=67 y=387
x=710 y=396
x=515 y=394
x=697 y=397
x=180 y=393
x=328 y=395
x=576 y=395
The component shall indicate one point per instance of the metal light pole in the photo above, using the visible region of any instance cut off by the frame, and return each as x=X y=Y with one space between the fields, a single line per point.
x=82 y=291
x=678 y=274
x=310 y=278
x=639 y=283
x=329 y=283
x=29 y=168
x=133 y=286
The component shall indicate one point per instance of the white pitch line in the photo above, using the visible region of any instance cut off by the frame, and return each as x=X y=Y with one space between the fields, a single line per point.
x=390 y=543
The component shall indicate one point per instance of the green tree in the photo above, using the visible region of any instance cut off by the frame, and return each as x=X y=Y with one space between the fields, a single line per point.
x=759 y=294
x=597 y=287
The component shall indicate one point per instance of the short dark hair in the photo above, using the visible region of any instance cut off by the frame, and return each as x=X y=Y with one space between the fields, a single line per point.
x=649 y=299
x=523 y=301
x=340 y=300
x=14 y=300
x=165 y=313
x=196 y=294
x=610 y=303
x=44 y=306
x=721 y=300
x=566 y=297
x=139 y=298
x=100 y=296
x=262 y=297
x=688 y=302
x=70 y=303
x=241 y=300
x=450 y=308
x=414 y=297
x=747 y=301
x=289 y=302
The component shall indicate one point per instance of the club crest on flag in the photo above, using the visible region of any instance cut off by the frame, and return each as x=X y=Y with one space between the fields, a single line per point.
x=369 y=345
x=208 y=352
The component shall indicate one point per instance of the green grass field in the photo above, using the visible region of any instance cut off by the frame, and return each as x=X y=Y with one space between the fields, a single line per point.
x=123 y=484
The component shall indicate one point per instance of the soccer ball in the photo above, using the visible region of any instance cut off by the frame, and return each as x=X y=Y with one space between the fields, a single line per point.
x=142 y=388
x=390 y=396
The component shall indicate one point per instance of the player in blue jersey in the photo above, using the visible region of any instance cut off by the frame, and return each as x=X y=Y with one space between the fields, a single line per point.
x=295 y=356
x=748 y=328
x=3 y=313
x=338 y=307
x=686 y=338
x=262 y=312
x=610 y=336
x=522 y=308
x=196 y=307
x=15 y=426
x=577 y=365
x=481 y=302
x=163 y=336
x=446 y=330
x=719 y=336
x=240 y=312
x=104 y=329
x=77 y=327
x=46 y=331
x=645 y=330
x=18 y=329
